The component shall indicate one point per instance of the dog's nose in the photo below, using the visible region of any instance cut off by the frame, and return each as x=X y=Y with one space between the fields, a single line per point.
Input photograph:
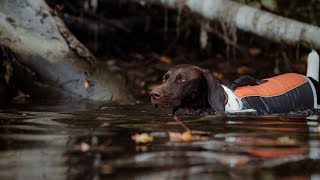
x=156 y=94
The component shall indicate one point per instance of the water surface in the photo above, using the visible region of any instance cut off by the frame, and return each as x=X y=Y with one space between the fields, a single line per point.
x=61 y=143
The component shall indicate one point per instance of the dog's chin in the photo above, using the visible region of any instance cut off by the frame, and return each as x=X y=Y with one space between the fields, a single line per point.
x=161 y=105
x=164 y=104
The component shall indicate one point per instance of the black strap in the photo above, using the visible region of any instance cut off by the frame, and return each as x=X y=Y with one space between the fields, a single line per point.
x=245 y=80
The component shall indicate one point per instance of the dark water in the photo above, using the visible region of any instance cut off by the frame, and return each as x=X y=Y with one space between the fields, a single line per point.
x=97 y=144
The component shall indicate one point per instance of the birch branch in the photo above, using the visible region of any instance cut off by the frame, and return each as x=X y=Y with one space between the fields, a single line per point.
x=256 y=21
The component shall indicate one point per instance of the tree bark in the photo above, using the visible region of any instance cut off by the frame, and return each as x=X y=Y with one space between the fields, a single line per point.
x=265 y=24
x=47 y=50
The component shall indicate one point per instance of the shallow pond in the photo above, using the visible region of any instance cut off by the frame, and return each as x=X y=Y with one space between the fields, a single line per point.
x=97 y=144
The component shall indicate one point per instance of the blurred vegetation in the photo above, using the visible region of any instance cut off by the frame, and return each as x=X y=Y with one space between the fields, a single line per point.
x=303 y=10
x=146 y=40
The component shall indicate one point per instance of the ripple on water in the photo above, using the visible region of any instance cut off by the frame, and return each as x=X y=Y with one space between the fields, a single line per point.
x=90 y=144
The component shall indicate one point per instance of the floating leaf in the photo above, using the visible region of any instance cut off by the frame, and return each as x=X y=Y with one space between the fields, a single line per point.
x=270 y=4
x=185 y=137
x=286 y=140
x=178 y=137
x=142 y=138
x=276 y=152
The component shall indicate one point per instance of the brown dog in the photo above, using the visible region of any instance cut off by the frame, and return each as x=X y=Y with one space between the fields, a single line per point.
x=189 y=86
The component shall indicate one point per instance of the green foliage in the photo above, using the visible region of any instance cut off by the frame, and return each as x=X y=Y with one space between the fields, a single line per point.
x=271 y=5
x=255 y=4
x=1 y=30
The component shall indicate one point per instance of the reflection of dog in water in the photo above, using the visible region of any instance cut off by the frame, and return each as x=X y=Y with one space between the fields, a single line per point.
x=189 y=86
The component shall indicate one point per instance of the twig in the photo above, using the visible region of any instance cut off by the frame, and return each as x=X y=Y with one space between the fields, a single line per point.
x=181 y=123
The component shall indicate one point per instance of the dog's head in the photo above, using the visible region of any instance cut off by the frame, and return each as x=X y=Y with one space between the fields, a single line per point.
x=189 y=86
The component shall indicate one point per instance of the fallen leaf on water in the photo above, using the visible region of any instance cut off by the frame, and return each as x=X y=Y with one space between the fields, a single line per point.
x=185 y=137
x=233 y=160
x=142 y=138
x=177 y=137
x=276 y=152
x=286 y=140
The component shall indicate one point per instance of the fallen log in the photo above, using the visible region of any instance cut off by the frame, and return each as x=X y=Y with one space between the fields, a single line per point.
x=53 y=57
x=256 y=21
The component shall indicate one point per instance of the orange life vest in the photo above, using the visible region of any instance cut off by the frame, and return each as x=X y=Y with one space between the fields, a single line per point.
x=283 y=93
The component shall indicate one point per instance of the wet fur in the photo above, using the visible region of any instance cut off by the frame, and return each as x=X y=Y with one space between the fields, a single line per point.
x=199 y=90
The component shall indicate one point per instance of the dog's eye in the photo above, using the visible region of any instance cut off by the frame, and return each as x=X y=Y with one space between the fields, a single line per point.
x=181 y=79
x=165 y=78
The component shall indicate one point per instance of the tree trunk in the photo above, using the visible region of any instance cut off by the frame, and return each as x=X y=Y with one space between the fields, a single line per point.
x=249 y=19
x=46 y=49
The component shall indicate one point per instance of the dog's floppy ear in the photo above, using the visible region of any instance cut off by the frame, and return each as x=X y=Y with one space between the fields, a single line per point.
x=216 y=93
